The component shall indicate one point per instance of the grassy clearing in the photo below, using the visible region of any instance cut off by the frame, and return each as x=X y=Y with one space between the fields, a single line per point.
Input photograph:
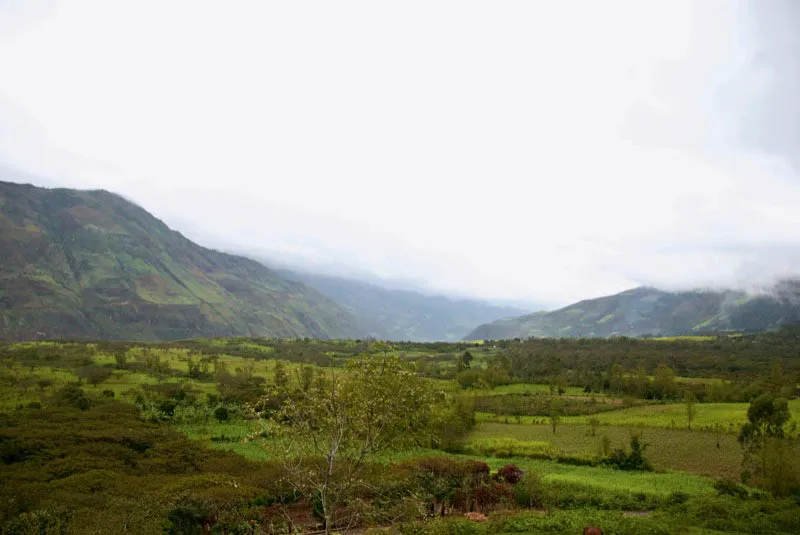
x=672 y=415
x=600 y=478
x=694 y=452
x=507 y=446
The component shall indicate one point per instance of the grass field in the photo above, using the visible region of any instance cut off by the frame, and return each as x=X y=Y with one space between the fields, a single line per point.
x=672 y=415
x=600 y=478
x=694 y=452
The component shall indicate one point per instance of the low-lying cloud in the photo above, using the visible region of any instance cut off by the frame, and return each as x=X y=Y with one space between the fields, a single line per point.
x=524 y=150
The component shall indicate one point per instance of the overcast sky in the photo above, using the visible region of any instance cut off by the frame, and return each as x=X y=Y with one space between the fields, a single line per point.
x=539 y=150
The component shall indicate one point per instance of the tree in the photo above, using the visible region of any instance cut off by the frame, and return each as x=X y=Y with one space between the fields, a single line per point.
x=640 y=383
x=664 y=381
x=555 y=407
x=497 y=371
x=465 y=361
x=305 y=378
x=93 y=373
x=333 y=428
x=766 y=418
x=281 y=376
x=616 y=378
x=771 y=459
x=691 y=411
x=594 y=423
x=121 y=359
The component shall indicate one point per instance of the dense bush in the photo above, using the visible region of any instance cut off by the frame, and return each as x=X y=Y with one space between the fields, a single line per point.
x=630 y=460
x=109 y=468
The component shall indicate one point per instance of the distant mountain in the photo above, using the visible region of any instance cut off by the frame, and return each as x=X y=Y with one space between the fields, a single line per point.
x=648 y=311
x=400 y=314
x=90 y=264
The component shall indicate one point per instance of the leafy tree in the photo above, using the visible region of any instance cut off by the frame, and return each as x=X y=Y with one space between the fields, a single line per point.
x=93 y=373
x=640 y=383
x=766 y=418
x=771 y=459
x=689 y=400
x=379 y=404
x=664 y=382
x=498 y=371
x=281 y=376
x=555 y=410
x=465 y=362
x=594 y=423
x=305 y=378
x=121 y=359
x=616 y=378
x=468 y=378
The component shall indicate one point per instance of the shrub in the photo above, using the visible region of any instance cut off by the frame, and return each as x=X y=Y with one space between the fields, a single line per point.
x=191 y=516
x=529 y=491
x=36 y=522
x=73 y=396
x=509 y=474
x=728 y=487
x=633 y=460
x=221 y=414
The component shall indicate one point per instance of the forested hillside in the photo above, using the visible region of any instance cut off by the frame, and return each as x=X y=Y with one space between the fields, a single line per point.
x=90 y=264
x=648 y=311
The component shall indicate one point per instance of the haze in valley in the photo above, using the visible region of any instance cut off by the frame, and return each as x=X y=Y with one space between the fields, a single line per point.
x=526 y=152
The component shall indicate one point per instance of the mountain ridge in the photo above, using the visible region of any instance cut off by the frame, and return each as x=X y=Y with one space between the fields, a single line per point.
x=648 y=311
x=92 y=264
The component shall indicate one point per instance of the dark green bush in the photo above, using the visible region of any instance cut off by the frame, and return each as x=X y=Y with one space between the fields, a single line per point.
x=221 y=414
x=40 y=522
x=728 y=487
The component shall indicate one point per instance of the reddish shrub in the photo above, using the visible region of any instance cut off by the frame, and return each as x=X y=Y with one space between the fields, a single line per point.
x=510 y=474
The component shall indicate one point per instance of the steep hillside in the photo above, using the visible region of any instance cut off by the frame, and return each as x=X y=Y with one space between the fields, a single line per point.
x=647 y=311
x=89 y=264
x=403 y=315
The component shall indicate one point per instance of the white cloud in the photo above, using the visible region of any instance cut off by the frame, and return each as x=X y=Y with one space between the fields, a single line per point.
x=541 y=150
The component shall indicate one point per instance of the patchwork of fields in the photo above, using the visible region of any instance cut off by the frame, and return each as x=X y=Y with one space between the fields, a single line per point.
x=193 y=390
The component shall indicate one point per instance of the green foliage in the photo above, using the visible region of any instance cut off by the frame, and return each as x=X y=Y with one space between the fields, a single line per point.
x=766 y=417
x=452 y=422
x=38 y=522
x=772 y=454
x=381 y=403
x=76 y=453
x=82 y=471
x=504 y=447
x=633 y=459
x=72 y=396
x=221 y=414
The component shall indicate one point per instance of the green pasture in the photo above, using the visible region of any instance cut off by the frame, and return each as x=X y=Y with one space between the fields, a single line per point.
x=694 y=452
x=600 y=478
x=670 y=415
x=730 y=415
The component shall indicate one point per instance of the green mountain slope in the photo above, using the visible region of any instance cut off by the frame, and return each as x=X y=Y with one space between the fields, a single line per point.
x=400 y=314
x=89 y=264
x=648 y=311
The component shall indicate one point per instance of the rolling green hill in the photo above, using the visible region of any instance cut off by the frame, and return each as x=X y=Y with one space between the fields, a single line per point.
x=89 y=264
x=402 y=314
x=648 y=311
